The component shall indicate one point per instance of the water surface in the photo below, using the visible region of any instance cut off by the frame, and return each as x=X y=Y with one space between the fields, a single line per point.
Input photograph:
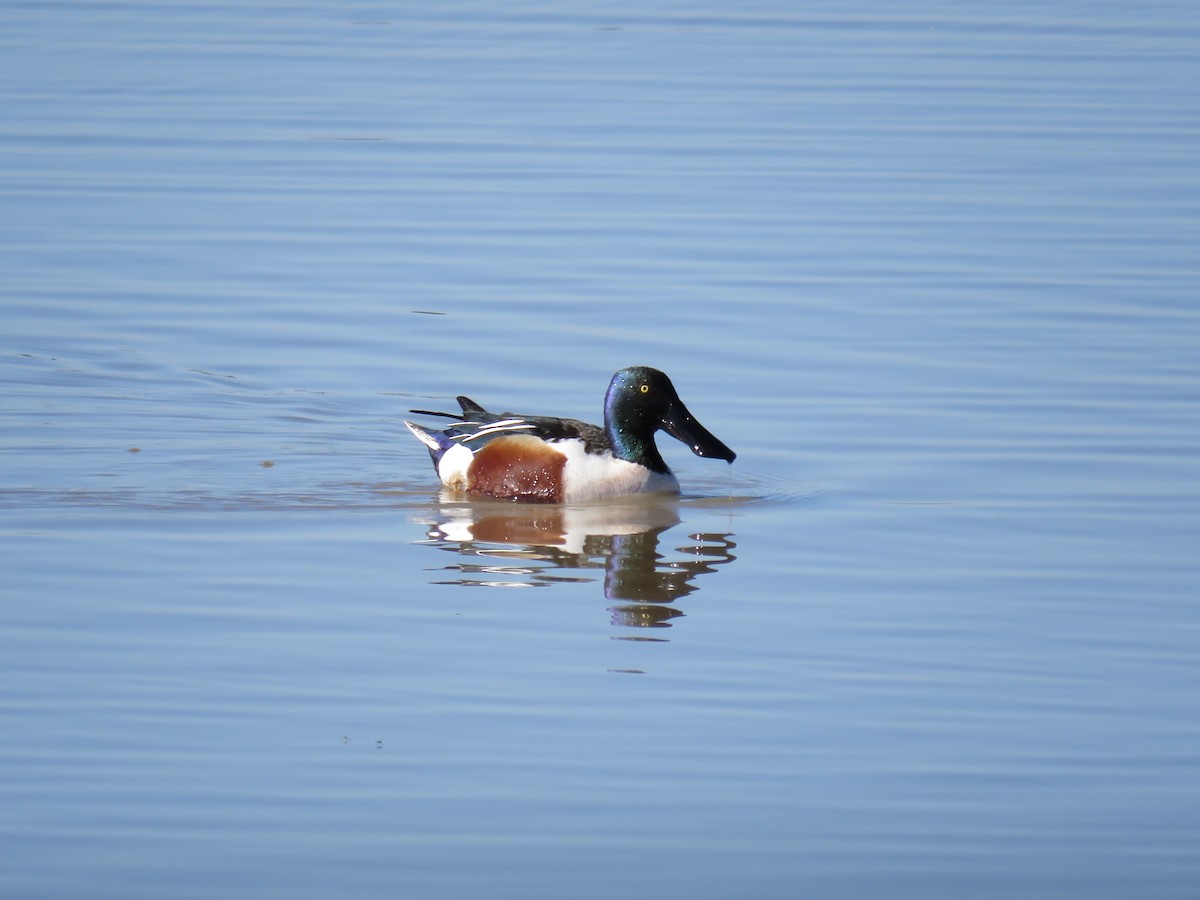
x=930 y=272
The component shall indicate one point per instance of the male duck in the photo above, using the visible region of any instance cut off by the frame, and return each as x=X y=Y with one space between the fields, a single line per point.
x=542 y=459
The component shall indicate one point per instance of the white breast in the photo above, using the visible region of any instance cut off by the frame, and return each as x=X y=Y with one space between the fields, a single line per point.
x=591 y=476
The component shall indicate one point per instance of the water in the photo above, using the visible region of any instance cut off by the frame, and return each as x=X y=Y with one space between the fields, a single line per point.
x=930 y=272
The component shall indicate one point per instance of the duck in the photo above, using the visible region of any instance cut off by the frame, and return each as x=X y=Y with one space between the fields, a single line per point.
x=546 y=459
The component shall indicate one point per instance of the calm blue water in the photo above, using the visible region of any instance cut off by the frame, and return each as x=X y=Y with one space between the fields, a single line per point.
x=931 y=271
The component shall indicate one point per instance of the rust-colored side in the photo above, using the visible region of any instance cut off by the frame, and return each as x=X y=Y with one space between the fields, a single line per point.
x=517 y=467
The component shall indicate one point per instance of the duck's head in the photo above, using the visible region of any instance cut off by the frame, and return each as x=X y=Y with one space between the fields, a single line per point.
x=642 y=400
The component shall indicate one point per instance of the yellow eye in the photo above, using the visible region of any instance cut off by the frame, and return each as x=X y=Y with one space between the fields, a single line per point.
x=645 y=388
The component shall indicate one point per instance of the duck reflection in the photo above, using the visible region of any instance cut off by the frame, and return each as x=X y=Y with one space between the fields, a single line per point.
x=503 y=545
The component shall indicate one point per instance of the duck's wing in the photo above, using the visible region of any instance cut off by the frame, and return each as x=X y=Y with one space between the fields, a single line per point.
x=475 y=426
x=475 y=430
x=553 y=429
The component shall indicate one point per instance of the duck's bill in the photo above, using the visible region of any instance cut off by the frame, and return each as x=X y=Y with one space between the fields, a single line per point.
x=681 y=425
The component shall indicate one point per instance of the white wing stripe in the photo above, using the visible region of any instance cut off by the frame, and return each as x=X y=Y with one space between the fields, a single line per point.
x=495 y=428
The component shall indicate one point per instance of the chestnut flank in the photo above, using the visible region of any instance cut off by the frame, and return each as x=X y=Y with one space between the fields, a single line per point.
x=517 y=467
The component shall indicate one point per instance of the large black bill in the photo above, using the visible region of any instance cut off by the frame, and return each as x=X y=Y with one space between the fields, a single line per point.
x=681 y=425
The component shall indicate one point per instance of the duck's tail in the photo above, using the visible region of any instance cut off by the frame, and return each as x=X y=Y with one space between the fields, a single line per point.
x=437 y=442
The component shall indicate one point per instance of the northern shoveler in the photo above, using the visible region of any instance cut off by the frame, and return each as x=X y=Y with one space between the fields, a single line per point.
x=507 y=456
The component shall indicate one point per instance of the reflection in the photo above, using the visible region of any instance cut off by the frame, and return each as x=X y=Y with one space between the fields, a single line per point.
x=506 y=545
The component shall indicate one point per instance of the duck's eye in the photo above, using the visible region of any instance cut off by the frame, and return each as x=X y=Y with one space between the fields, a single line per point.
x=644 y=388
